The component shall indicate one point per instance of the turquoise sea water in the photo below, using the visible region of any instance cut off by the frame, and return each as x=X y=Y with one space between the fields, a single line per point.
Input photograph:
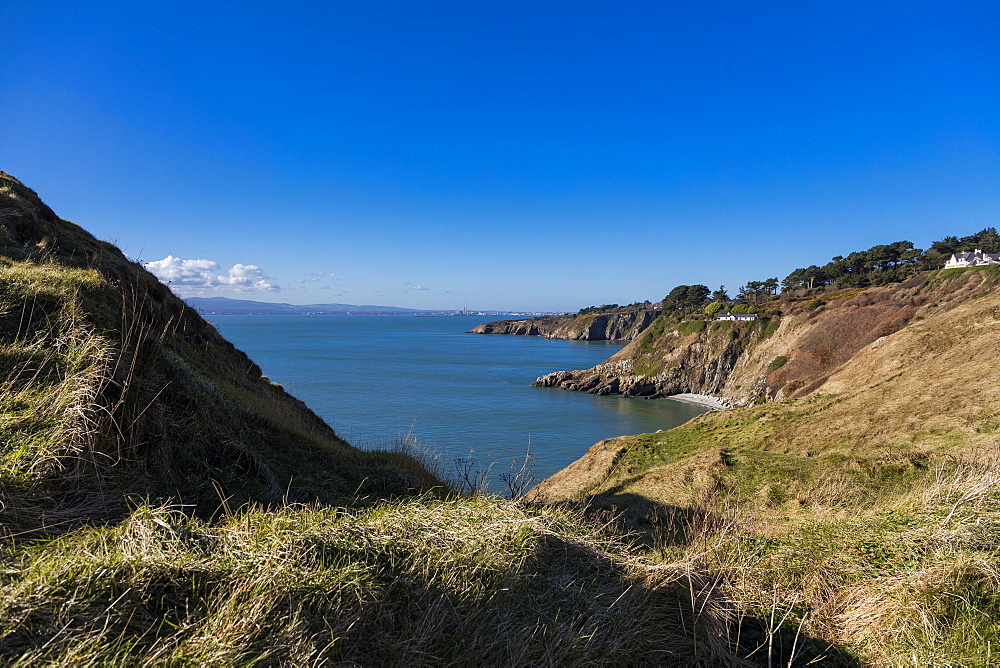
x=374 y=378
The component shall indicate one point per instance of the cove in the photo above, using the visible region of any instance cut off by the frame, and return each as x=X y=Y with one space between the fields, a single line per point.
x=377 y=378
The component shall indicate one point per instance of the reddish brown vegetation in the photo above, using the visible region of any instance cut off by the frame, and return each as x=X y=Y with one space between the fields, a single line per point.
x=847 y=326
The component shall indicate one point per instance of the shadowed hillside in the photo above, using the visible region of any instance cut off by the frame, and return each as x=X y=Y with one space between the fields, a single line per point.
x=111 y=386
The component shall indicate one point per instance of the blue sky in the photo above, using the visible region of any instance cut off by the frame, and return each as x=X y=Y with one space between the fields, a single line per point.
x=516 y=155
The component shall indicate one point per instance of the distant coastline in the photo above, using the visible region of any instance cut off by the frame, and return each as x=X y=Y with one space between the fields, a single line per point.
x=227 y=306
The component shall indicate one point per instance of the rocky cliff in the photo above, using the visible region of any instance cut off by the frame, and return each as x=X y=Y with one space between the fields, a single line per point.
x=788 y=352
x=618 y=326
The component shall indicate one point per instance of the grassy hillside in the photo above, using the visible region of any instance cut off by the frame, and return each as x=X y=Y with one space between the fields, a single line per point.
x=418 y=582
x=864 y=501
x=111 y=386
x=163 y=503
x=789 y=351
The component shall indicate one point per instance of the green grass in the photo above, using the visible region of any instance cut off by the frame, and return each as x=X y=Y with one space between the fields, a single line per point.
x=688 y=327
x=294 y=548
x=768 y=327
x=645 y=367
x=287 y=546
x=777 y=363
x=906 y=574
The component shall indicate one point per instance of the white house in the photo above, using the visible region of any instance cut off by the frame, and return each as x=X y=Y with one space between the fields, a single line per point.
x=973 y=259
x=736 y=316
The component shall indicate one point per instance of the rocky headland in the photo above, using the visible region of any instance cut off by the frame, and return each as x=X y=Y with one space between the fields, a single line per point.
x=615 y=326
x=788 y=352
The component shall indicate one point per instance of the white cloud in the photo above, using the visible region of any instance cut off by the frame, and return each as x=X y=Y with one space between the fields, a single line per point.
x=247 y=278
x=324 y=274
x=306 y=280
x=418 y=287
x=176 y=271
x=187 y=276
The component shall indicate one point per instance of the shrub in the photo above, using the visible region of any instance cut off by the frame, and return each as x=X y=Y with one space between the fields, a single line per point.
x=688 y=327
x=714 y=308
x=777 y=363
x=769 y=327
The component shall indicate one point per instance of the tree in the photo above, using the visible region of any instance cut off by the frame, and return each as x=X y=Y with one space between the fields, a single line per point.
x=674 y=301
x=986 y=240
x=714 y=307
x=686 y=298
x=697 y=295
x=720 y=295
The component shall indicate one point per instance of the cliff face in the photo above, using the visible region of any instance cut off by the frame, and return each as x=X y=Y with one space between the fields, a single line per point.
x=623 y=326
x=774 y=357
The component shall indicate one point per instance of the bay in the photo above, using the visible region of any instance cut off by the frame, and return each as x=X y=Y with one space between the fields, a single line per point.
x=375 y=379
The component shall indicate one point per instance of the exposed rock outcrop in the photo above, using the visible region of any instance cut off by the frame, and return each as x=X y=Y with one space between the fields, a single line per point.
x=616 y=326
x=699 y=363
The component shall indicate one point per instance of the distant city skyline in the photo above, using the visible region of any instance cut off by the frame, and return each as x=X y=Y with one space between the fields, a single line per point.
x=523 y=156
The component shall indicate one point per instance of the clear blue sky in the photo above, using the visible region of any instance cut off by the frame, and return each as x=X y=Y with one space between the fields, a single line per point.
x=520 y=155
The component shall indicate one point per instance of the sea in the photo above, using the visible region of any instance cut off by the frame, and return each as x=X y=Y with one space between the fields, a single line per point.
x=464 y=399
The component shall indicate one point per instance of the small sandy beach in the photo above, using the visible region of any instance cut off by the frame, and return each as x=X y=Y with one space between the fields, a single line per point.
x=715 y=403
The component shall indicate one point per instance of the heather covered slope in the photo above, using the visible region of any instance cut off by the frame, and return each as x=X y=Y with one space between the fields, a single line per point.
x=111 y=387
x=928 y=388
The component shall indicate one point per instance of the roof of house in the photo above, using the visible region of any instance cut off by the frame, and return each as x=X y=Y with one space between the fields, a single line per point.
x=976 y=255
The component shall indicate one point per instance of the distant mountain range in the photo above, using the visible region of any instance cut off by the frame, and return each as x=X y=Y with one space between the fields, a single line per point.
x=226 y=306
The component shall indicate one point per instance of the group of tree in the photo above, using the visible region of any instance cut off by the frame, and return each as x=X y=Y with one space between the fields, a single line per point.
x=756 y=292
x=888 y=263
x=608 y=308
x=879 y=265
x=686 y=298
x=699 y=298
x=986 y=240
x=603 y=308
x=885 y=263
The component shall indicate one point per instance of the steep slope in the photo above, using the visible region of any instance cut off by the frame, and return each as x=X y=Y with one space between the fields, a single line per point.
x=618 y=326
x=788 y=352
x=111 y=386
x=925 y=388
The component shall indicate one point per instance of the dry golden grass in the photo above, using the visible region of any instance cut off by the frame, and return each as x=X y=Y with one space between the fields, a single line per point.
x=466 y=581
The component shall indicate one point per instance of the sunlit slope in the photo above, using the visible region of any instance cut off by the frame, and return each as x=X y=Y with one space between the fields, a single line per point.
x=864 y=512
x=613 y=326
x=927 y=389
x=112 y=386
